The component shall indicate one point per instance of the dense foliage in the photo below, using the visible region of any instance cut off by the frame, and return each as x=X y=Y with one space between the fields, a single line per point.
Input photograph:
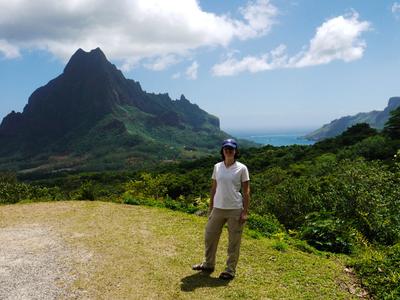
x=380 y=272
x=392 y=127
x=12 y=191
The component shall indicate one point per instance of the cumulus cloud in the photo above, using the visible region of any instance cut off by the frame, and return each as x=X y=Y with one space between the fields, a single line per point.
x=191 y=71
x=8 y=50
x=260 y=17
x=396 y=10
x=127 y=30
x=277 y=58
x=163 y=62
x=336 y=39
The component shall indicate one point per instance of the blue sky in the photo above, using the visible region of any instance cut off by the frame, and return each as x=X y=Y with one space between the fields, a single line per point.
x=262 y=66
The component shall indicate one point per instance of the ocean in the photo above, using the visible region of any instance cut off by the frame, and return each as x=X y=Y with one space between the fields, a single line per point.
x=281 y=139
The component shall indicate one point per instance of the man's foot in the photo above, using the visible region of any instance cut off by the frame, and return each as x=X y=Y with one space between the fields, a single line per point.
x=226 y=276
x=202 y=268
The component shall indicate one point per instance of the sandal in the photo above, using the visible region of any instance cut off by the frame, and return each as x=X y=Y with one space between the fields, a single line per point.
x=226 y=276
x=201 y=267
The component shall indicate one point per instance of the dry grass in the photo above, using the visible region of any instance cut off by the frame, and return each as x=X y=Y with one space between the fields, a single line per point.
x=136 y=252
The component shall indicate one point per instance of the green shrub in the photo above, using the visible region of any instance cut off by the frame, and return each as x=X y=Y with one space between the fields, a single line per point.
x=267 y=224
x=365 y=194
x=304 y=246
x=328 y=233
x=172 y=204
x=127 y=198
x=293 y=199
x=374 y=147
x=13 y=192
x=86 y=191
x=253 y=234
x=280 y=246
x=380 y=272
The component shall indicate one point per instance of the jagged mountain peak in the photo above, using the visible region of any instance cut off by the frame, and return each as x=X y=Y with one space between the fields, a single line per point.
x=94 y=54
x=92 y=61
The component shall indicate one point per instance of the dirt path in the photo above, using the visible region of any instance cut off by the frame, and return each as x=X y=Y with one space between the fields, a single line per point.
x=34 y=264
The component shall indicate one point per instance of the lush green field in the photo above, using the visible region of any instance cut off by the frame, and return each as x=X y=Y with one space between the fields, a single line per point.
x=141 y=252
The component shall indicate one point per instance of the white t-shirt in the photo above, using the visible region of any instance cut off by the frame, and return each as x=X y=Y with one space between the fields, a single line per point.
x=229 y=181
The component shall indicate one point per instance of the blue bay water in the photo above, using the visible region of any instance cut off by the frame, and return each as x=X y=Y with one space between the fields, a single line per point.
x=277 y=140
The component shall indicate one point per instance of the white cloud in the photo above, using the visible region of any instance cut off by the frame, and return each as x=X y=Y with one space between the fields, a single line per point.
x=161 y=63
x=260 y=17
x=272 y=60
x=8 y=50
x=127 y=30
x=396 y=9
x=336 y=39
x=191 y=71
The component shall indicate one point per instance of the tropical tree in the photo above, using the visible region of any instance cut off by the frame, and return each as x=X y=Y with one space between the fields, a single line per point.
x=392 y=126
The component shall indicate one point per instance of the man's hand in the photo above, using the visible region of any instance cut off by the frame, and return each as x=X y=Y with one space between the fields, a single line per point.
x=246 y=200
x=243 y=217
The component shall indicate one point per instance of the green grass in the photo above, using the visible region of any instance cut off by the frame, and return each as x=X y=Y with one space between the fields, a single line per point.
x=146 y=253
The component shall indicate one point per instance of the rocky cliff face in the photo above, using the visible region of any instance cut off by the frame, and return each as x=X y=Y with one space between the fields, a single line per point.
x=376 y=119
x=91 y=104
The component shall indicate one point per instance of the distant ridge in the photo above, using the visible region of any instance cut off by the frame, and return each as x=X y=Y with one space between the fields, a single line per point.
x=375 y=119
x=92 y=117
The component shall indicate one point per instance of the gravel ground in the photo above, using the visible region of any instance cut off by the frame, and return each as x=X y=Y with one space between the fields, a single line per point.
x=35 y=263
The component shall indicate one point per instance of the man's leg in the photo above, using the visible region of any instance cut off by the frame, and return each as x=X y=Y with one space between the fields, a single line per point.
x=235 y=229
x=213 y=231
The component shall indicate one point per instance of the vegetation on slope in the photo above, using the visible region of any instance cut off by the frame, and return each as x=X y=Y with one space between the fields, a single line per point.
x=340 y=195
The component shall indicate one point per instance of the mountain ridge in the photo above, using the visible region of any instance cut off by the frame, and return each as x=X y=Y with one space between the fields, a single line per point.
x=376 y=119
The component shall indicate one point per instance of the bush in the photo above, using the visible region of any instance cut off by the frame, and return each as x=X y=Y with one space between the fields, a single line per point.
x=267 y=225
x=132 y=200
x=380 y=272
x=371 y=148
x=304 y=247
x=13 y=192
x=128 y=199
x=280 y=246
x=328 y=233
x=365 y=194
x=86 y=191
x=293 y=199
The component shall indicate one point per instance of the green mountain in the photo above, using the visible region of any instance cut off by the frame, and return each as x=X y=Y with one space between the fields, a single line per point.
x=92 y=117
x=376 y=119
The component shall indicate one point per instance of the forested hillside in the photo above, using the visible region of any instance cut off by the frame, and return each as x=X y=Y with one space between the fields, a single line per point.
x=376 y=119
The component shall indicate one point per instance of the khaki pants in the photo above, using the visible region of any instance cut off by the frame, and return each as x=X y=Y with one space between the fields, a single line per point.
x=216 y=221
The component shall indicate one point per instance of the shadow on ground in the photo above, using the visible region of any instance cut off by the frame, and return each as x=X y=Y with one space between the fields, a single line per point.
x=201 y=279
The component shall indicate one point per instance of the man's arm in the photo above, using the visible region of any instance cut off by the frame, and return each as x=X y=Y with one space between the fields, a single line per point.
x=212 y=194
x=246 y=201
